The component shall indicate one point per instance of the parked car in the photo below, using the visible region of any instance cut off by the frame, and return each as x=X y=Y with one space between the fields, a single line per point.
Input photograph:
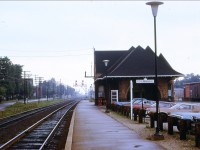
x=147 y=102
x=190 y=117
x=186 y=115
x=164 y=104
x=138 y=100
x=139 y=105
x=121 y=103
x=178 y=107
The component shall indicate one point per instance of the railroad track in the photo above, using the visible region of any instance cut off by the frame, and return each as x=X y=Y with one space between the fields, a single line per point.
x=18 y=117
x=18 y=123
x=42 y=133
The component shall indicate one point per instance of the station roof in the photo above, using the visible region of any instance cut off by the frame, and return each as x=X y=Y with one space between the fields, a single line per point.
x=135 y=62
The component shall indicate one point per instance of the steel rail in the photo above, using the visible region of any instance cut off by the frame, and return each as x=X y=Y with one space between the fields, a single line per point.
x=56 y=126
x=10 y=119
x=25 y=132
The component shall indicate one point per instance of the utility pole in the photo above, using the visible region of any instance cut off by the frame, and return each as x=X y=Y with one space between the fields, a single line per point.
x=36 y=88
x=61 y=89
x=25 y=85
x=47 y=90
x=38 y=82
x=40 y=89
x=28 y=85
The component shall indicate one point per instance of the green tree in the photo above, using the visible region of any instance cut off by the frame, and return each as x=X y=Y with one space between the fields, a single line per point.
x=188 y=78
x=10 y=77
x=2 y=93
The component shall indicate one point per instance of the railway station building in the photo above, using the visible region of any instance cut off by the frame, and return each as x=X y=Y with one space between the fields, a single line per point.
x=136 y=64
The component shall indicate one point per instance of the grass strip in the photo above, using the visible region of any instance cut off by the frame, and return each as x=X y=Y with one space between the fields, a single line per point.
x=20 y=107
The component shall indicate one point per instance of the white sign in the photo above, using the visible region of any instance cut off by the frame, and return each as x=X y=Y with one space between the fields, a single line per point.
x=145 y=81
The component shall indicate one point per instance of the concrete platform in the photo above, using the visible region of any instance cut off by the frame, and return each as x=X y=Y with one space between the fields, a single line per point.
x=94 y=130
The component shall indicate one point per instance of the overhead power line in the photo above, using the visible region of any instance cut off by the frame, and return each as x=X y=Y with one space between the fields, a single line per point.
x=49 y=55
x=43 y=51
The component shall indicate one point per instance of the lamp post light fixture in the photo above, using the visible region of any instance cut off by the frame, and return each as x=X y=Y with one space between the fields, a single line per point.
x=154 y=6
x=106 y=89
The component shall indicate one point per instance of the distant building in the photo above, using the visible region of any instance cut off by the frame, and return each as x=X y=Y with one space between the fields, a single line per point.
x=178 y=94
x=192 y=91
x=133 y=64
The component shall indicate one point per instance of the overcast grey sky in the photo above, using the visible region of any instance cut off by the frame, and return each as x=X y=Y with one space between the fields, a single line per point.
x=56 y=38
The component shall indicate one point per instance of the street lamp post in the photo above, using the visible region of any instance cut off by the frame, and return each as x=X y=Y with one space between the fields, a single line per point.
x=154 y=6
x=106 y=89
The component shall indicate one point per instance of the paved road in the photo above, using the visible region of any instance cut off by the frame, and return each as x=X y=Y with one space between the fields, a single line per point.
x=4 y=105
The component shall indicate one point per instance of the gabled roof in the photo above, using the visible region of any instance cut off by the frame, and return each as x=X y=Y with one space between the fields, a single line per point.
x=113 y=56
x=136 y=62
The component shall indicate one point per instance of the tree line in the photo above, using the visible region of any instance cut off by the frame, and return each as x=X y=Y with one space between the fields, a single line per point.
x=14 y=86
x=188 y=78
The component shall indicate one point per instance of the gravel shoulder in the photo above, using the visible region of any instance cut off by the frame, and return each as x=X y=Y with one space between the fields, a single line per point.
x=170 y=142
